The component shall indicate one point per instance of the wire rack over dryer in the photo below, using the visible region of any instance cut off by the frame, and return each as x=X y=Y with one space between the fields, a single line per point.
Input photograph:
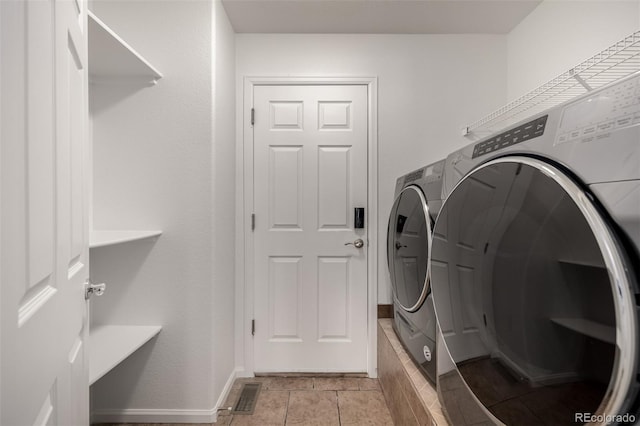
x=613 y=63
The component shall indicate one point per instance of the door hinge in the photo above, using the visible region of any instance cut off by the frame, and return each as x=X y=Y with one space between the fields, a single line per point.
x=253 y=221
x=253 y=327
x=253 y=116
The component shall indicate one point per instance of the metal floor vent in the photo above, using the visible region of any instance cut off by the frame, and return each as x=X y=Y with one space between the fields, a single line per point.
x=247 y=400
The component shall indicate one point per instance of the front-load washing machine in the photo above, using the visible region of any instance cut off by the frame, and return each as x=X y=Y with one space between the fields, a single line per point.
x=418 y=198
x=534 y=268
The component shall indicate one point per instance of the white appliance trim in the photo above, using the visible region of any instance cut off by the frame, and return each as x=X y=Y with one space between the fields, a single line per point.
x=244 y=209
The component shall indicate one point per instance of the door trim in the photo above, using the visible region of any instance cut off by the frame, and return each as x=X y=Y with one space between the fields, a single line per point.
x=244 y=250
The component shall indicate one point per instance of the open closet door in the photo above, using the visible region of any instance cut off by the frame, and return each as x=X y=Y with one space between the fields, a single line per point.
x=44 y=226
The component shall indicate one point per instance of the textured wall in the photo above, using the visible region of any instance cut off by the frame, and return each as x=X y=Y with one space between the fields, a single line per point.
x=559 y=34
x=223 y=197
x=164 y=159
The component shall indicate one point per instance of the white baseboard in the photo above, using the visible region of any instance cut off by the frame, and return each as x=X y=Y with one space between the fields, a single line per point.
x=135 y=415
x=153 y=416
x=227 y=388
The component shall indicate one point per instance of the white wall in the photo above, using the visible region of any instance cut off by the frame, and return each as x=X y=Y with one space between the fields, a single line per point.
x=223 y=206
x=164 y=159
x=559 y=34
x=428 y=87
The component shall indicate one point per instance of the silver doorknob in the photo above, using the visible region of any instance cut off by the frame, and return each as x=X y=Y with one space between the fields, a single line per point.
x=357 y=243
x=91 y=289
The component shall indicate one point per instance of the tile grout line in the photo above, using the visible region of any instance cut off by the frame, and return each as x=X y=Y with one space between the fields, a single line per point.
x=286 y=411
x=338 y=407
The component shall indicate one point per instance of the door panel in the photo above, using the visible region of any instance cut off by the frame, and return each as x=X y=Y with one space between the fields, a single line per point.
x=333 y=294
x=310 y=155
x=44 y=371
x=333 y=193
x=284 y=298
x=285 y=197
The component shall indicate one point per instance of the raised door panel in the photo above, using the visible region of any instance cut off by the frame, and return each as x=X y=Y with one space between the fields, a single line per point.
x=285 y=188
x=285 y=298
x=334 y=115
x=334 y=200
x=286 y=115
x=333 y=296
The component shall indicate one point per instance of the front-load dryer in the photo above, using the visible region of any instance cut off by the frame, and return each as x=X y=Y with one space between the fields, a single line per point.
x=534 y=268
x=418 y=198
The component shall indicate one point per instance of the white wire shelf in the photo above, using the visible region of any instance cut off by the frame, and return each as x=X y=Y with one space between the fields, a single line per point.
x=613 y=63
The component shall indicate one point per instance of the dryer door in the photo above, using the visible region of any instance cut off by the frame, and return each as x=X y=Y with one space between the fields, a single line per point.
x=408 y=245
x=535 y=298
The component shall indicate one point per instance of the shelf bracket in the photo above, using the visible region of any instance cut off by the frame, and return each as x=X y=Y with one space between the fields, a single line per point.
x=576 y=76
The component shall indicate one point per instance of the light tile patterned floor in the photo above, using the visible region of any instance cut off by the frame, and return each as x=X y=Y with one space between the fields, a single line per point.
x=311 y=401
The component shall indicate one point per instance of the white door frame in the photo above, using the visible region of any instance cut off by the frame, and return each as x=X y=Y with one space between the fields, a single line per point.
x=244 y=207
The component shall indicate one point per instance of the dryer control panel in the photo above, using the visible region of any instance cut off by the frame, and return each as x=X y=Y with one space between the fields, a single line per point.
x=595 y=117
x=524 y=132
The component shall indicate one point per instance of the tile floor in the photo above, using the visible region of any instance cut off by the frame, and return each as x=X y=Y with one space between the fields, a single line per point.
x=311 y=401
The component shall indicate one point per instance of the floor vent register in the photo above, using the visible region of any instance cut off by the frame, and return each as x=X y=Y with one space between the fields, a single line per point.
x=247 y=400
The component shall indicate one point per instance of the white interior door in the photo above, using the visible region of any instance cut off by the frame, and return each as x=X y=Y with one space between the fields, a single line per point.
x=310 y=172
x=44 y=224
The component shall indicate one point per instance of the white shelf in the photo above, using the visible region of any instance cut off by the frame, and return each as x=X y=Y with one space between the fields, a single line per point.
x=112 y=59
x=109 y=345
x=108 y=238
x=613 y=63
x=593 y=329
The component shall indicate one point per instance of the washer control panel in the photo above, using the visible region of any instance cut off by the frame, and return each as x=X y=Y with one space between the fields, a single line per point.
x=524 y=132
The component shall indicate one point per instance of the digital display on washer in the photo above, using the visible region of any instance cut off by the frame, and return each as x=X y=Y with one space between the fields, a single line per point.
x=524 y=132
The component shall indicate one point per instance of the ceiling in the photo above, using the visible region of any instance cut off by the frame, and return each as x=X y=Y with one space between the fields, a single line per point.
x=377 y=16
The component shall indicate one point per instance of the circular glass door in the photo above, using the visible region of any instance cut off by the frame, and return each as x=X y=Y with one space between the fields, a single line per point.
x=533 y=297
x=408 y=243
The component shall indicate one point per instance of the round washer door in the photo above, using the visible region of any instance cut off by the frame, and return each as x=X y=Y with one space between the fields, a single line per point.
x=408 y=245
x=534 y=297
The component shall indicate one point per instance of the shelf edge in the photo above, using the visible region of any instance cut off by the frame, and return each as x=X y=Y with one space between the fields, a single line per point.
x=151 y=332
x=125 y=236
x=155 y=75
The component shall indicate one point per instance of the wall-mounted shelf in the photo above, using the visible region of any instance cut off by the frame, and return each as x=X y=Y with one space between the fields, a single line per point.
x=108 y=238
x=112 y=59
x=593 y=329
x=613 y=63
x=111 y=344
